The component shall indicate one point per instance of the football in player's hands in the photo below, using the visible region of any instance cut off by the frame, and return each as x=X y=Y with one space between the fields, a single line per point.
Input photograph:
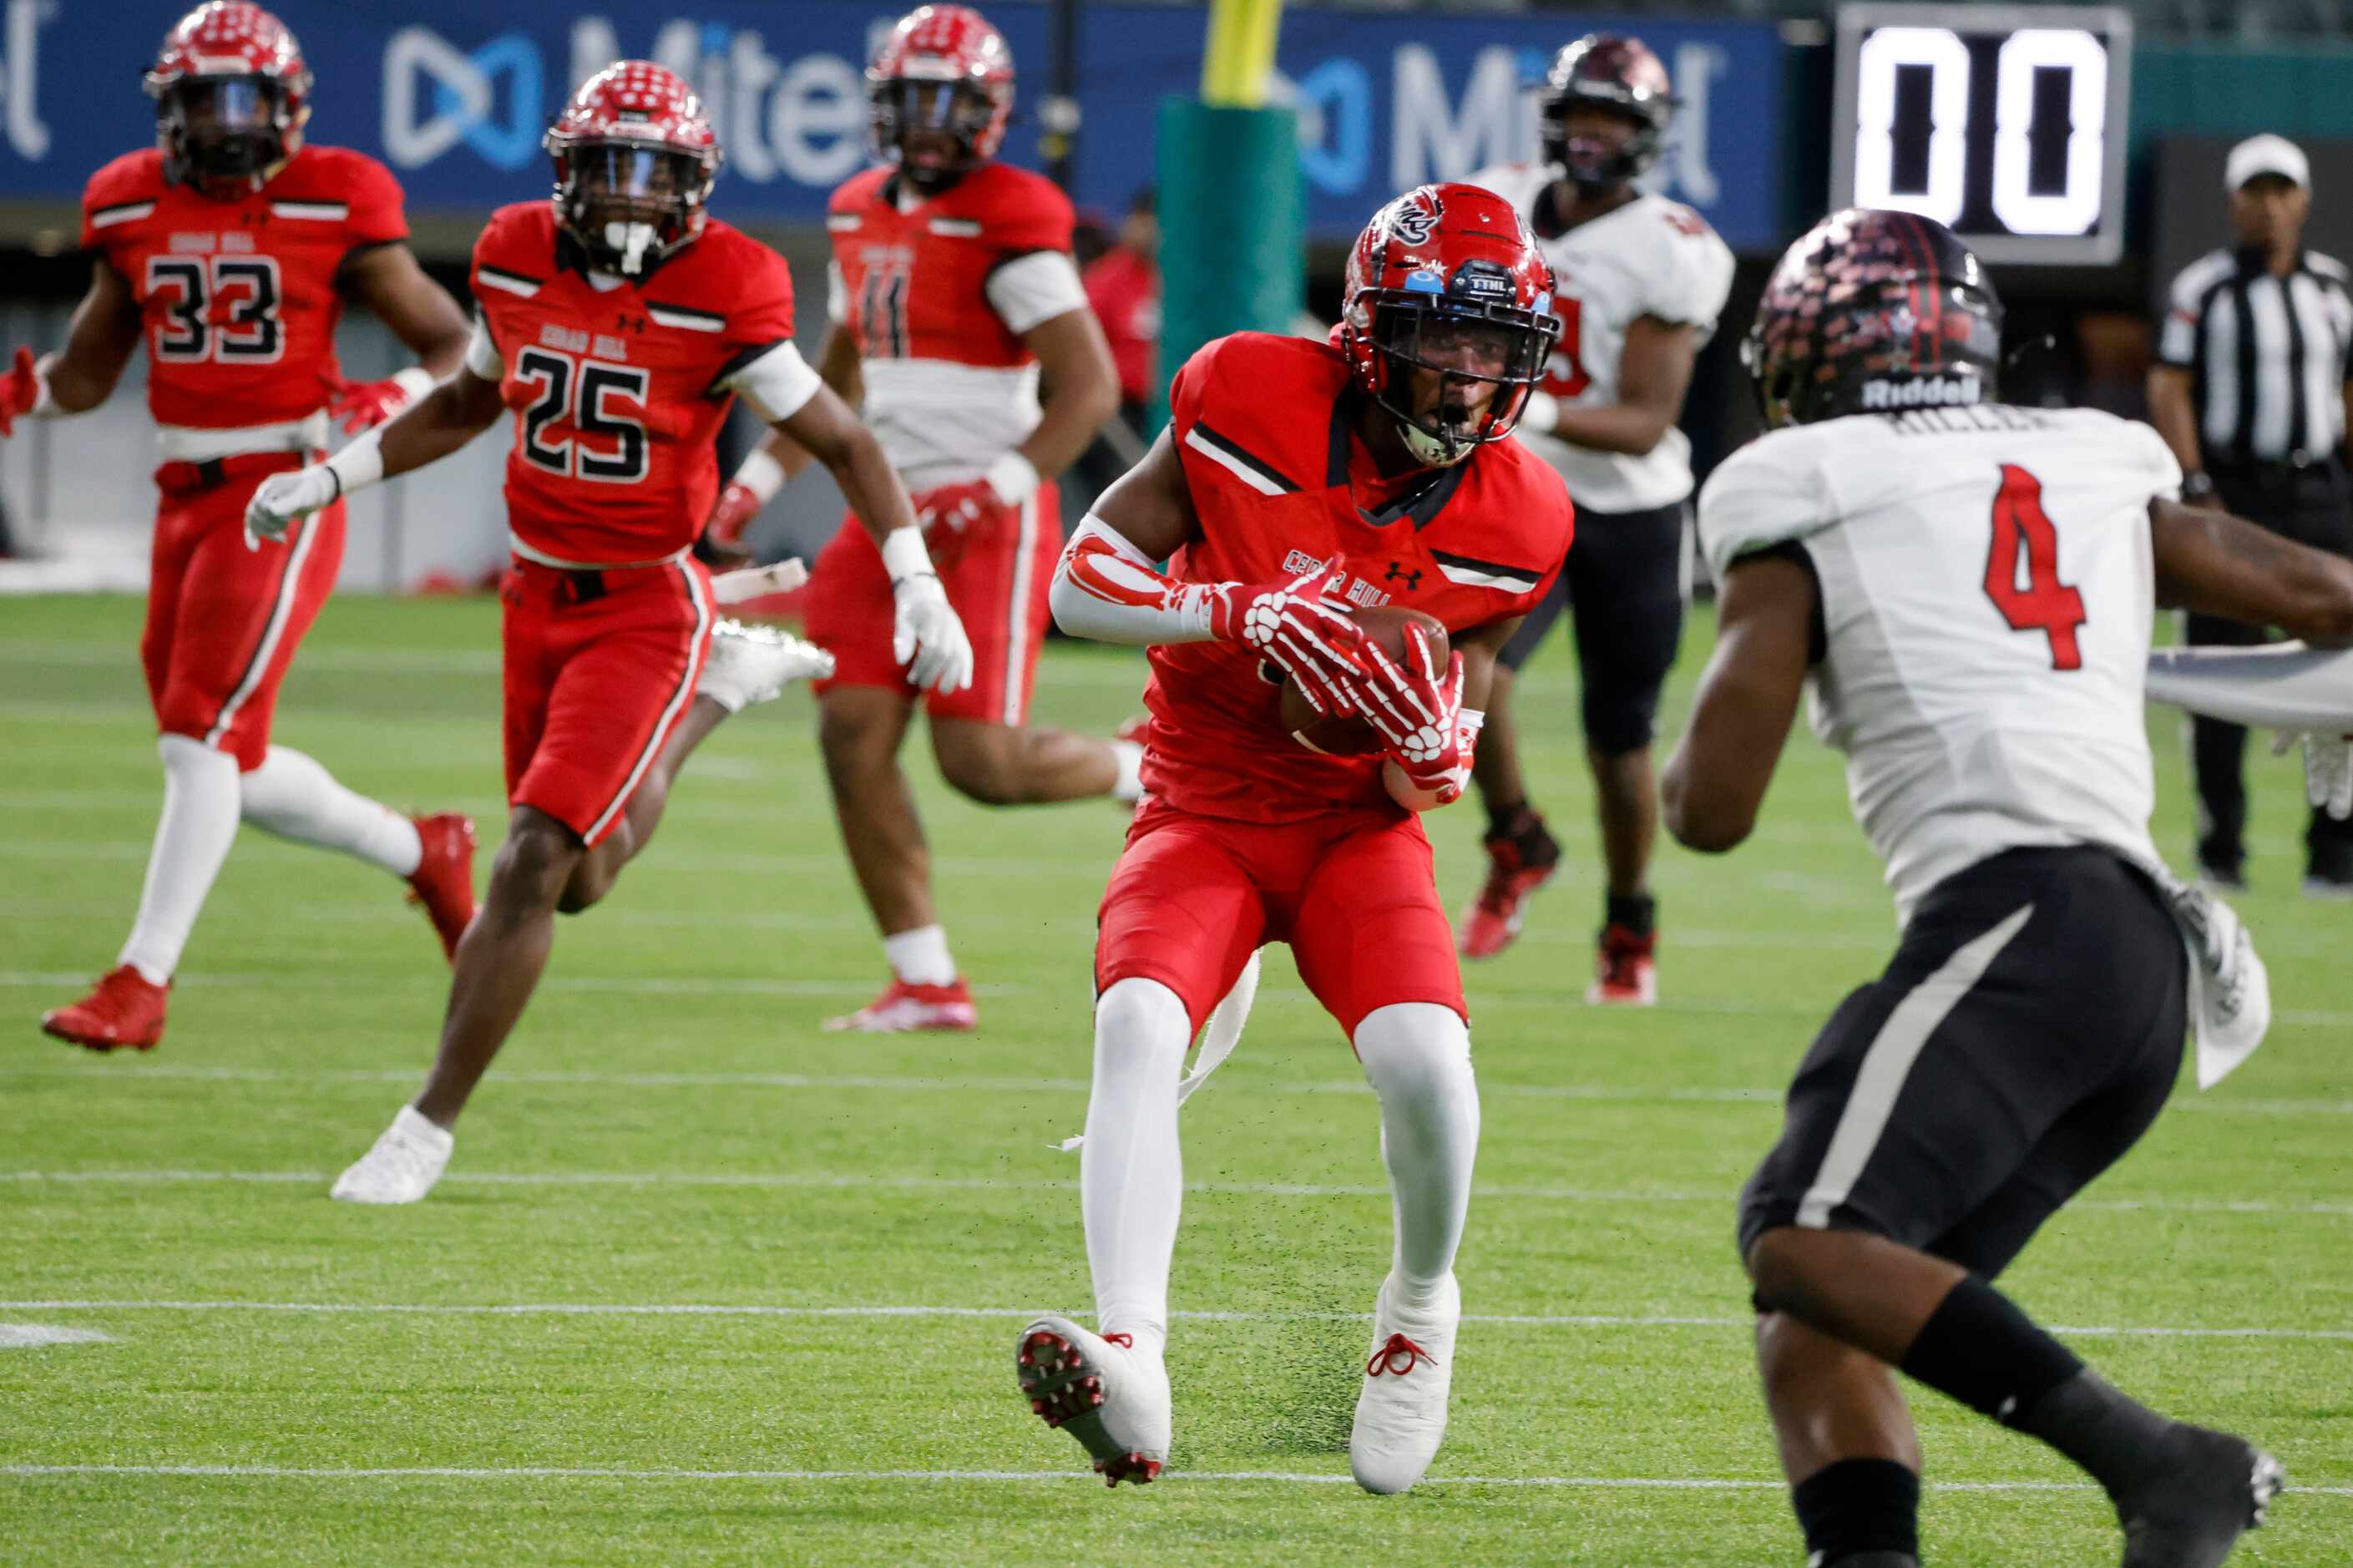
x=1349 y=735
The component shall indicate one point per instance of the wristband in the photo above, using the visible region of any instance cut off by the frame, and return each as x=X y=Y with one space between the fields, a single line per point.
x=1013 y=477
x=414 y=380
x=359 y=465
x=761 y=474
x=45 y=406
x=904 y=555
x=1542 y=412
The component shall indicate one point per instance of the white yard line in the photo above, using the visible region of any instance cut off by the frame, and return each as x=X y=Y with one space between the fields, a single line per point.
x=952 y=1478
x=824 y=1181
x=765 y=1309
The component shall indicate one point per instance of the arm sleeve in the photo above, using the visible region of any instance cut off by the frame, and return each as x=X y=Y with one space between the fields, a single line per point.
x=1106 y=589
x=777 y=384
x=482 y=357
x=377 y=214
x=2291 y=687
x=1763 y=495
x=1029 y=290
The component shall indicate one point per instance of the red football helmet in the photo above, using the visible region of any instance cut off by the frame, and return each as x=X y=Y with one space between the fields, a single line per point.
x=1448 y=279
x=1618 y=74
x=942 y=69
x=231 y=93
x=635 y=158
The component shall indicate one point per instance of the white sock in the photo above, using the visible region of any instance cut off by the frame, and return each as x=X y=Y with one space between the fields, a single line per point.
x=192 y=838
x=1129 y=787
x=920 y=957
x=1131 y=1171
x=291 y=795
x=1418 y=1056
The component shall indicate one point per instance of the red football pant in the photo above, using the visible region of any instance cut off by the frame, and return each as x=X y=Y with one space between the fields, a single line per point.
x=997 y=584
x=600 y=667
x=1353 y=893
x=223 y=621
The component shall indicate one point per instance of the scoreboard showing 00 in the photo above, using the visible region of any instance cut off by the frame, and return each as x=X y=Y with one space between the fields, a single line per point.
x=2004 y=123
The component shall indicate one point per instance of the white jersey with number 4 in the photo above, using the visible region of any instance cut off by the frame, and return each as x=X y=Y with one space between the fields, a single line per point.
x=1987 y=594
x=1650 y=258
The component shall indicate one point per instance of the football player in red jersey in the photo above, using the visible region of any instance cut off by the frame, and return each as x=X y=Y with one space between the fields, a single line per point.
x=618 y=322
x=951 y=287
x=227 y=249
x=1295 y=481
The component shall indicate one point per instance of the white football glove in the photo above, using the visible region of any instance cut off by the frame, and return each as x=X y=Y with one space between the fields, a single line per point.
x=2328 y=769
x=926 y=636
x=283 y=500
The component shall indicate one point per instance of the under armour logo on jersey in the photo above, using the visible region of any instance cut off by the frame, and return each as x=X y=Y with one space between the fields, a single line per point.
x=1399 y=574
x=627 y=323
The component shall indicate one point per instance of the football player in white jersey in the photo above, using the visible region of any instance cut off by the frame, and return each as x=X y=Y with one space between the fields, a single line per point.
x=1968 y=590
x=1641 y=280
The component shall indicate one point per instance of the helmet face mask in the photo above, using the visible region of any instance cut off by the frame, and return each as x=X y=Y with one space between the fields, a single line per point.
x=1448 y=319
x=222 y=131
x=1873 y=311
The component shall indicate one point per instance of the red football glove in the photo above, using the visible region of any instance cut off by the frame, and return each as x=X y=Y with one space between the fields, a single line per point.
x=738 y=505
x=362 y=406
x=955 y=515
x=1416 y=714
x=19 y=393
x=1296 y=625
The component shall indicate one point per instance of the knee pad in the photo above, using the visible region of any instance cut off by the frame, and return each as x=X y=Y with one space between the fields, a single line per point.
x=1410 y=1045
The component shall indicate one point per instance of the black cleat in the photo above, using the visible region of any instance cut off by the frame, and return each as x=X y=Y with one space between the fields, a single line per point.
x=2202 y=1492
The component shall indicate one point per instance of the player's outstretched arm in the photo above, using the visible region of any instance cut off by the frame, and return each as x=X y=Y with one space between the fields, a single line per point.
x=1654 y=371
x=778 y=460
x=2217 y=564
x=420 y=312
x=1747 y=698
x=80 y=377
x=432 y=427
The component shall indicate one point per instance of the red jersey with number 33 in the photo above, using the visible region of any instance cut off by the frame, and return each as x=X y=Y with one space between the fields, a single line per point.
x=237 y=298
x=619 y=387
x=1263 y=426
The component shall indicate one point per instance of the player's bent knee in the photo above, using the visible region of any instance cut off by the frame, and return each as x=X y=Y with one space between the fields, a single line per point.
x=987 y=770
x=1137 y=1013
x=536 y=863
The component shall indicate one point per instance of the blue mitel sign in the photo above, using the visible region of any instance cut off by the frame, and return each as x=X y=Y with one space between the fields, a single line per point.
x=453 y=95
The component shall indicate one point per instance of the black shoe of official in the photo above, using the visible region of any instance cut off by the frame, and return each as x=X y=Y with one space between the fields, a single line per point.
x=2200 y=1492
x=2328 y=871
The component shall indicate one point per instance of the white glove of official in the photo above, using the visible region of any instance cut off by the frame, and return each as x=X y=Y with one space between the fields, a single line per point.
x=926 y=636
x=2328 y=769
x=283 y=500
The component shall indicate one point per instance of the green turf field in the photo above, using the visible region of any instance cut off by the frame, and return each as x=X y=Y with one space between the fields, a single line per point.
x=705 y=1283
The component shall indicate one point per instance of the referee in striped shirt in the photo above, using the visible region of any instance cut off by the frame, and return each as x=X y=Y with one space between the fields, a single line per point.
x=2250 y=391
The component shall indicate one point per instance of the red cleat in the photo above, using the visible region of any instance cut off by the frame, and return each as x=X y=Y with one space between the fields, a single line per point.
x=905 y=1009
x=1518 y=864
x=443 y=882
x=1626 y=970
x=122 y=1010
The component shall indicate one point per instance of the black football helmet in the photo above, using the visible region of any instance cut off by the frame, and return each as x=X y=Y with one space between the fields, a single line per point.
x=1873 y=311
x=1621 y=74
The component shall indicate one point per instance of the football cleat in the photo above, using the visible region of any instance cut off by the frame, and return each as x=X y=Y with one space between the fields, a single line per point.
x=121 y=1010
x=1401 y=1409
x=1101 y=1390
x=403 y=1165
x=1517 y=865
x=443 y=882
x=906 y=1009
x=2205 y=1490
x=749 y=665
x=1626 y=968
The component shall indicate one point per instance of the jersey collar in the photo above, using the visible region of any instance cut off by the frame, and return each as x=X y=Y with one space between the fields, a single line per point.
x=1420 y=502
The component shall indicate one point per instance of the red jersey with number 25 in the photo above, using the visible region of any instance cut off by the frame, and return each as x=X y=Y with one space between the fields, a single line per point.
x=619 y=385
x=1263 y=426
x=237 y=298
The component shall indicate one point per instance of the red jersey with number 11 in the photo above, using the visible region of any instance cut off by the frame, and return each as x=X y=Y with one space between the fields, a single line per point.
x=619 y=385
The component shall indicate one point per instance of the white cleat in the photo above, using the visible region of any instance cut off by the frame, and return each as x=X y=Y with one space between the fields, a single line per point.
x=1401 y=1411
x=402 y=1165
x=748 y=664
x=1111 y=1396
